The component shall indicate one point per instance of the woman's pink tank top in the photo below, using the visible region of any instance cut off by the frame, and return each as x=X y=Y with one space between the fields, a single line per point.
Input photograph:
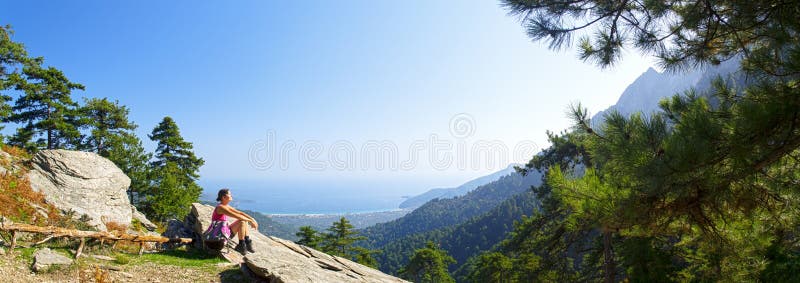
x=217 y=216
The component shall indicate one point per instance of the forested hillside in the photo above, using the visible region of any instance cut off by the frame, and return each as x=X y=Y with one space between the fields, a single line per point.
x=440 y=213
x=464 y=240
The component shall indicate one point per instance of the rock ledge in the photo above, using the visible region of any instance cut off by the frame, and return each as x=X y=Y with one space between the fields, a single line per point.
x=279 y=260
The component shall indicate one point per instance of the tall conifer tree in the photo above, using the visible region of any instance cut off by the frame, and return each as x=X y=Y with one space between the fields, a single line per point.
x=106 y=121
x=173 y=148
x=428 y=264
x=45 y=108
x=175 y=172
x=341 y=237
x=12 y=55
x=308 y=237
x=340 y=240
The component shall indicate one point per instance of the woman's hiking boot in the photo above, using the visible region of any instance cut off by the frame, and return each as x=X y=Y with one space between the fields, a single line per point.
x=249 y=244
x=240 y=247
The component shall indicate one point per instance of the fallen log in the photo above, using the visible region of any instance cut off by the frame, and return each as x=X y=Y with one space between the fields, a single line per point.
x=102 y=235
x=53 y=231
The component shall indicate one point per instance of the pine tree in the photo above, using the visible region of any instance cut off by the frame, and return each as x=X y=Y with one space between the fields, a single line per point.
x=22 y=138
x=365 y=257
x=172 y=193
x=45 y=108
x=173 y=148
x=308 y=237
x=174 y=172
x=12 y=54
x=679 y=34
x=106 y=120
x=341 y=238
x=542 y=246
x=428 y=264
x=711 y=179
x=492 y=267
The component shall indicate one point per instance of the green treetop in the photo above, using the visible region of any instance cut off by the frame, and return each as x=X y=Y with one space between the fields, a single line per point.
x=428 y=264
x=678 y=33
x=171 y=194
x=171 y=147
x=12 y=55
x=365 y=257
x=174 y=173
x=492 y=267
x=107 y=120
x=309 y=237
x=45 y=108
x=340 y=238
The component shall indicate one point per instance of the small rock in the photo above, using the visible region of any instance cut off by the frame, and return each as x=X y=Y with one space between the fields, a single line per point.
x=44 y=258
x=112 y=268
x=125 y=274
x=226 y=264
x=103 y=257
x=2 y=251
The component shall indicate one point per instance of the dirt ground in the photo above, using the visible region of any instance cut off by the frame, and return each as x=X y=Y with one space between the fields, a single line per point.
x=18 y=270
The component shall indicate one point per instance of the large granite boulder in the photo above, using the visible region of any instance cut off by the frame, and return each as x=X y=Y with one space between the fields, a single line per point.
x=279 y=260
x=85 y=183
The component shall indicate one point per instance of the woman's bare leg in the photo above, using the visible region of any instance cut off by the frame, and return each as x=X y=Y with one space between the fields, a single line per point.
x=239 y=228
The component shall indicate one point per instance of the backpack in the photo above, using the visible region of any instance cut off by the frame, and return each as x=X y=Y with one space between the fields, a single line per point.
x=213 y=237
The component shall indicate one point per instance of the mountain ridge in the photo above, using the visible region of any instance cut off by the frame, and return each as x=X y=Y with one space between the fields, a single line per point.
x=419 y=200
x=645 y=92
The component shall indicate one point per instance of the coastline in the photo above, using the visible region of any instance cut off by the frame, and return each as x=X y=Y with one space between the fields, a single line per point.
x=335 y=214
x=321 y=221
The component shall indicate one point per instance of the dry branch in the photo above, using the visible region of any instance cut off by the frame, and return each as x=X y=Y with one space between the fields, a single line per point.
x=53 y=231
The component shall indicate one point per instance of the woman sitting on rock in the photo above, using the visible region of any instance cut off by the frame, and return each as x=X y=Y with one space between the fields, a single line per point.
x=238 y=227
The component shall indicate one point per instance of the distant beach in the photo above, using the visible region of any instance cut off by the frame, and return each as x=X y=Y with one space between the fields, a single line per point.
x=323 y=221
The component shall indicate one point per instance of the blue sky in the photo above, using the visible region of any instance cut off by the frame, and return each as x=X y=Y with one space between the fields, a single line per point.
x=230 y=72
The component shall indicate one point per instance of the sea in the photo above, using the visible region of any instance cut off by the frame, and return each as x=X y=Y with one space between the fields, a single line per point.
x=312 y=197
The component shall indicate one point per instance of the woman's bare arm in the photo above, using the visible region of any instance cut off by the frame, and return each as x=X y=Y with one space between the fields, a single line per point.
x=235 y=213
x=244 y=214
